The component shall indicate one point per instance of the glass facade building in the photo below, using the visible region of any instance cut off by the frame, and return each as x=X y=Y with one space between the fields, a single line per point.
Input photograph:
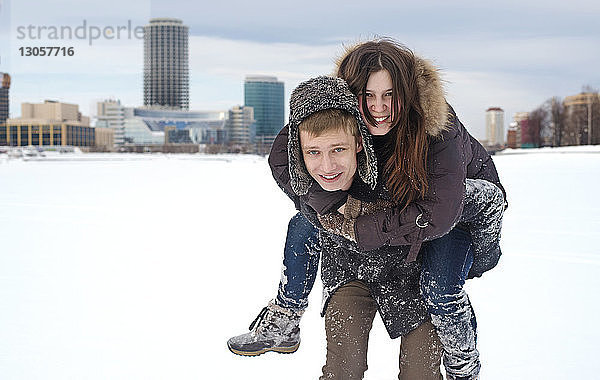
x=166 y=70
x=265 y=95
x=147 y=125
x=50 y=134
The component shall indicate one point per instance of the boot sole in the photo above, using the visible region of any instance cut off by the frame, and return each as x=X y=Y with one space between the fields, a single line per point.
x=279 y=350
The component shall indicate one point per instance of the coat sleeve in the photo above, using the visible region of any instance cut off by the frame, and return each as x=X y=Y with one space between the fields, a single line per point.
x=438 y=212
x=320 y=200
x=482 y=166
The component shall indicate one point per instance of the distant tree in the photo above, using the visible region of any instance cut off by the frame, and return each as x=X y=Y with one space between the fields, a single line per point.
x=532 y=134
x=592 y=130
x=557 y=111
x=553 y=121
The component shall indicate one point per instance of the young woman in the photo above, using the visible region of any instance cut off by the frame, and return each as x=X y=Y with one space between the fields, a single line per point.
x=425 y=156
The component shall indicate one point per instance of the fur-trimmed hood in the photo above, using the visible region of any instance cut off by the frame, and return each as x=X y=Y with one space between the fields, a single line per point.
x=431 y=93
x=318 y=94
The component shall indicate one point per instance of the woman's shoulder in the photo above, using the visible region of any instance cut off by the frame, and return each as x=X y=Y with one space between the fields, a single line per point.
x=451 y=129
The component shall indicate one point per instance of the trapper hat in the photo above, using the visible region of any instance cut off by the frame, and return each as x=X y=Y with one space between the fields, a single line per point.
x=317 y=94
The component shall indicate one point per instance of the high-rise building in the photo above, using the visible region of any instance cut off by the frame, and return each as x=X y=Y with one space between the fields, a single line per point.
x=111 y=114
x=166 y=71
x=494 y=126
x=265 y=95
x=238 y=125
x=4 y=87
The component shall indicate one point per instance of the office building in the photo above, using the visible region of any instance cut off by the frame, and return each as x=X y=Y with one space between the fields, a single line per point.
x=49 y=124
x=4 y=104
x=166 y=71
x=4 y=99
x=526 y=131
x=582 y=113
x=239 y=125
x=145 y=126
x=513 y=136
x=54 y=111
x=265 y=95
x=111 y=114
x=494 y=126
x=104 y=139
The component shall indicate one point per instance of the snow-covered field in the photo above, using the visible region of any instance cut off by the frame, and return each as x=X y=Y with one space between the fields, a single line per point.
x=142 y=266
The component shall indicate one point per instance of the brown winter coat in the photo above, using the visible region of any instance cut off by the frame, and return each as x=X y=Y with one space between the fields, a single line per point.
x=454 y=155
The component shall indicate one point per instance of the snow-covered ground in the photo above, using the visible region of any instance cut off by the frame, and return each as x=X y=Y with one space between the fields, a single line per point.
x=142 y=266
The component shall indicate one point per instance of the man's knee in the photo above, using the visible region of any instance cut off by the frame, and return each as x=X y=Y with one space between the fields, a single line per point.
x=421 y=354
x=348 y=320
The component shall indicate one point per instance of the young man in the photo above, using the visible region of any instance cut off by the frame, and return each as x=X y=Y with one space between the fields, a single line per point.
x=326 y=149
x=336 y=145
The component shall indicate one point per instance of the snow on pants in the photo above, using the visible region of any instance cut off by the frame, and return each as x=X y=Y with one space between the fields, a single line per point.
x=348 y=321
x=300 y=263
x=446 y=263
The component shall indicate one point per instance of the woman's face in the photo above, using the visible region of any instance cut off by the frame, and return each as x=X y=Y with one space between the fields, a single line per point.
x=378 y=96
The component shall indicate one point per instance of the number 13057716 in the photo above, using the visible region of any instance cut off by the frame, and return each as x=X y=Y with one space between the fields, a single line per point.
x=46 y=51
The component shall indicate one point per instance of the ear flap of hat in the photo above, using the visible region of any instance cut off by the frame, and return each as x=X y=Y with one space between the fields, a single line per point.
x=315 y=95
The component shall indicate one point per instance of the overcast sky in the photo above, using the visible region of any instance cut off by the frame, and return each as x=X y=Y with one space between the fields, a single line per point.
x=510 y=54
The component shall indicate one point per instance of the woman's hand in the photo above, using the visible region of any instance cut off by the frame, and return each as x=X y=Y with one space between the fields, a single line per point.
x=342 y=222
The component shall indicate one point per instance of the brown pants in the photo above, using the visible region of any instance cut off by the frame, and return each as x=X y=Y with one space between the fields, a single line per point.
x=348 y=321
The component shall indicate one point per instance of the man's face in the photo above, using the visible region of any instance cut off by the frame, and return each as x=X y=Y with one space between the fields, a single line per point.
x=331 y=158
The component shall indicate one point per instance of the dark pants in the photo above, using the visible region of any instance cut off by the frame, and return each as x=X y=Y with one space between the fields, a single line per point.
x=348 y=320
x=446 y=264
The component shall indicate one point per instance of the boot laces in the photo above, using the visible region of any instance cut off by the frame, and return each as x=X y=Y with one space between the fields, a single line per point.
x=271 y=320
x=259 y=317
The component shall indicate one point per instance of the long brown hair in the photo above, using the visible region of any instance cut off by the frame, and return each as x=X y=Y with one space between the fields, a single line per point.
x=406 y=168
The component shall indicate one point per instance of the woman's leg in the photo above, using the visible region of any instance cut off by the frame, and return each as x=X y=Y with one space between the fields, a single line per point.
x=348 y=320
x=446 y=263
x=300 y=263
x=482 y=215
x=421 y=354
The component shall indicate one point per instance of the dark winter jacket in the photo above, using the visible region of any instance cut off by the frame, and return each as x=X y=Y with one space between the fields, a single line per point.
x=453 y=156
x=393 y=283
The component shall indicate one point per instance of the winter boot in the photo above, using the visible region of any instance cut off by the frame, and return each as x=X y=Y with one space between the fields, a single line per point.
x=450 y=377
x=274 y=329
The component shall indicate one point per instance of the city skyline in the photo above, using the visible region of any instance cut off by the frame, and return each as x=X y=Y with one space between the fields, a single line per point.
x=517 y=59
